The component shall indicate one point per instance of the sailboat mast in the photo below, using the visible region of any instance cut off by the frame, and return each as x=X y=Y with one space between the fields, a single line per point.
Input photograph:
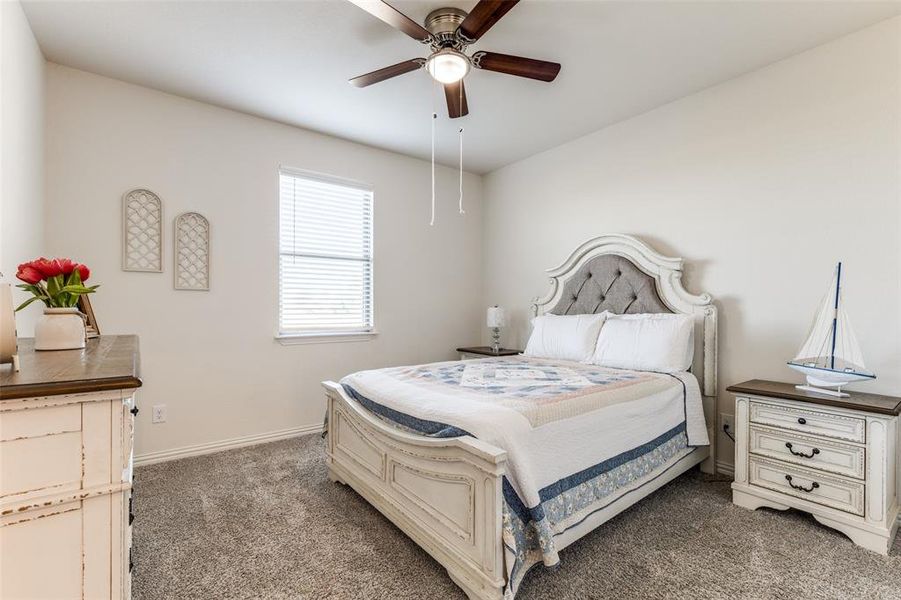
x=838 y=284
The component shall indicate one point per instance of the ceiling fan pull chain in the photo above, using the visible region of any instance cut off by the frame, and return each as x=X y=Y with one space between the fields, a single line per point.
x=462 y=212
x=434 y=120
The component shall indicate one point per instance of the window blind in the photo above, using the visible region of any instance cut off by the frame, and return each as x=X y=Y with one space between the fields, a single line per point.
x=325 y=255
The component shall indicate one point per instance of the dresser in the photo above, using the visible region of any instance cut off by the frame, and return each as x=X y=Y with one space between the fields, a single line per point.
x=66 y=433
x=835 y=458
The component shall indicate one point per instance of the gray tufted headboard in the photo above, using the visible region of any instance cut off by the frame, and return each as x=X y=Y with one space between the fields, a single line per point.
x=609 y=282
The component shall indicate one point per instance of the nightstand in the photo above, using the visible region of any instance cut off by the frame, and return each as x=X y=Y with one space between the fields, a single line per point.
x=835 y=458
x=485 y=352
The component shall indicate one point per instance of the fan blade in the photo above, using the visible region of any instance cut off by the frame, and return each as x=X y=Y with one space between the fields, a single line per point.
x=455 y=94
x=390 y=15
x=387 y=72
x=485 y=14
x=516 y=65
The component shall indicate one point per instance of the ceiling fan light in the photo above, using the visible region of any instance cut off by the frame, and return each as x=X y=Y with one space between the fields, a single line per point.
x=448 y=66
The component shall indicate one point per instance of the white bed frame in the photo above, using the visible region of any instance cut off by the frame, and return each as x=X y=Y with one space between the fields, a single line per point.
x=445 y=493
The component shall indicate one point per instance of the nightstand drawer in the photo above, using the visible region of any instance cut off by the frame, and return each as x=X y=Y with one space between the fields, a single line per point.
x=827 y=490
x=806 y=451
x=830 y=425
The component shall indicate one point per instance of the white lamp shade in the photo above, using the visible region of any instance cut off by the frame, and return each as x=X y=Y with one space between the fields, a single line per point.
x=496 y=317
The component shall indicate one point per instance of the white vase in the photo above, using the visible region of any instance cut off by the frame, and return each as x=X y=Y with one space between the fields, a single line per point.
x=59 y=329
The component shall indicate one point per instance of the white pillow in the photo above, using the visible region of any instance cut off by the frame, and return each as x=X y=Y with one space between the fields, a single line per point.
x=646 y=342
x=564 y=337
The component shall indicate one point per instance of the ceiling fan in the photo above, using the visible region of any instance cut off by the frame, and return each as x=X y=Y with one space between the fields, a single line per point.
x=448 y=31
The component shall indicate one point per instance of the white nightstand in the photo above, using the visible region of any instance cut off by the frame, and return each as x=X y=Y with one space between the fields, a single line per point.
x=834 y=458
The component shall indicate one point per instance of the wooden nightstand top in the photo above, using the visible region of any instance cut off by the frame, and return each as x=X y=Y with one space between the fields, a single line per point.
x=874 y=403
x=487 y=351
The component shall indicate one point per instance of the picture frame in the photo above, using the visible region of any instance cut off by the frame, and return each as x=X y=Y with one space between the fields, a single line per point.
x=92 y=330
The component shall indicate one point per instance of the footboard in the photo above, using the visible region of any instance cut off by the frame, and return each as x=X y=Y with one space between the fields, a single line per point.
x=445 y=494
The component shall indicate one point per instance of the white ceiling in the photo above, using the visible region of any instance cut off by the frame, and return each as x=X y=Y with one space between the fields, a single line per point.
x=290 y=61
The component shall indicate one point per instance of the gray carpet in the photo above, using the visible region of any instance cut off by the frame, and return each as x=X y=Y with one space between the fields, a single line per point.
x=265 y=522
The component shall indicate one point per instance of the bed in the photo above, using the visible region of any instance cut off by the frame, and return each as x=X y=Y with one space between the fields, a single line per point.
x=424 y=444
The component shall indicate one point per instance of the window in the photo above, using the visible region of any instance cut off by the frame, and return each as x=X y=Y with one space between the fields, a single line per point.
x=325 y=255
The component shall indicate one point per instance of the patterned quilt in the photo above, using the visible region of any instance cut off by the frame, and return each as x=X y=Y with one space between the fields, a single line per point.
x=576 y=435
x=541 y=391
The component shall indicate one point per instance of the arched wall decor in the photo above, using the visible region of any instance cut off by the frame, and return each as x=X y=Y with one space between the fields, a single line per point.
x=142 y=231
x=192 y=252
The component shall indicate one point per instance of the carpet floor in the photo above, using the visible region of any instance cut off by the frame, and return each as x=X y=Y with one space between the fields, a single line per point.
x=265 y=522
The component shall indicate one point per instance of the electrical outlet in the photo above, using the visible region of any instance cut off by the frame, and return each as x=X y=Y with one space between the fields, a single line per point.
x=727 y=423
x=159 y=413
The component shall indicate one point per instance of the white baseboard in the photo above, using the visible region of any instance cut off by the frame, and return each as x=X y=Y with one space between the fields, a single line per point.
x=724 y=468
x=210 y=447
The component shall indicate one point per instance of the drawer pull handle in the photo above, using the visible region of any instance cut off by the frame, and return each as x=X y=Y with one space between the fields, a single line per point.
x=802 y=421
x=813 y=452
x=134 y=410
x=813 y=485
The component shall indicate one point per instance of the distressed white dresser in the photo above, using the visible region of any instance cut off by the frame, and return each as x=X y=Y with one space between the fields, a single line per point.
x=66 y=431
x=835 y=458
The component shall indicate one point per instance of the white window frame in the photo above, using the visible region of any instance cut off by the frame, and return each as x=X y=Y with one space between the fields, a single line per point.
x=315 y=337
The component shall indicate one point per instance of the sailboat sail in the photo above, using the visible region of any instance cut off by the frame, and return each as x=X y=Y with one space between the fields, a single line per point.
x=846 y=348
x=817 y=345
x=831 y=343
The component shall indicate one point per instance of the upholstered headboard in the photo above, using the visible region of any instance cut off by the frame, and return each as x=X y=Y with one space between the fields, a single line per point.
x=609 y=282
x=623 y=275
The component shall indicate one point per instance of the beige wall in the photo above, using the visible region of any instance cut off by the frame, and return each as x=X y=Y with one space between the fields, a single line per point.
x=211 y=357
x=21 y=154
x=761 y=184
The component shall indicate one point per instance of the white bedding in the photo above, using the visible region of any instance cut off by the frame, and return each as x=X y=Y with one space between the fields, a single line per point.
x=541 y=450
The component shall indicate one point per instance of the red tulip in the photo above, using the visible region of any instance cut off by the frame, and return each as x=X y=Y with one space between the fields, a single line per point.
x=29 y=274
x=67 y=265
x=47 y=268
x=83 y=271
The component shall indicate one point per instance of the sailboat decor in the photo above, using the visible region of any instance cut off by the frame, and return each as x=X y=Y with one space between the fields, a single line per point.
x=831 y=357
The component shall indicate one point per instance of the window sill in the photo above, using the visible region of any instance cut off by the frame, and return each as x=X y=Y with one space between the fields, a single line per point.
x=292 y=339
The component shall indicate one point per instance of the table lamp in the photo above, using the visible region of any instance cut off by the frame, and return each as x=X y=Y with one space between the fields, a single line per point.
x=496 y=320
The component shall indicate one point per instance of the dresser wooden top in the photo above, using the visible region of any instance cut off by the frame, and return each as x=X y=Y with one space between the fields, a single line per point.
x=874 y=403
x=109 y=362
